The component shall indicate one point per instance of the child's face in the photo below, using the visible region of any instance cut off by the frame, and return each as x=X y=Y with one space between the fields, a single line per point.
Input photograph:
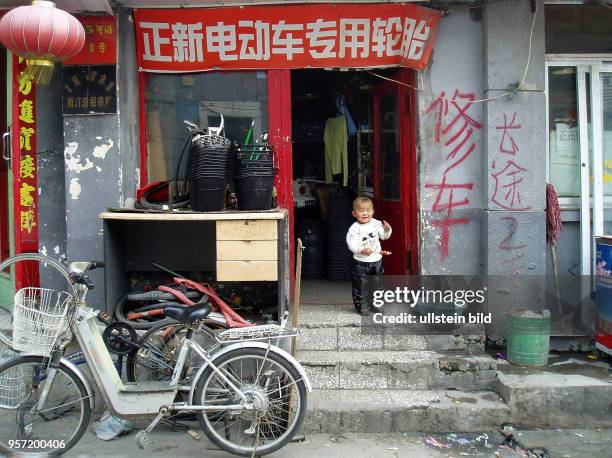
x=363 y=213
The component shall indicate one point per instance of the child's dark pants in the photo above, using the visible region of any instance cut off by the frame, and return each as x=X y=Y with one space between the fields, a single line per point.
x=367 y=277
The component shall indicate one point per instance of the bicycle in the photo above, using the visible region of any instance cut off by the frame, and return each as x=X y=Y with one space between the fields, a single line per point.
x=249 y=396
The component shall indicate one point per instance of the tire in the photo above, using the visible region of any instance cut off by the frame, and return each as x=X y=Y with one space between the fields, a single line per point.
x=283 y=387
x=67 y=407
x=31 y=270
x=121 y=315
x=143 y=364
x=160 y=296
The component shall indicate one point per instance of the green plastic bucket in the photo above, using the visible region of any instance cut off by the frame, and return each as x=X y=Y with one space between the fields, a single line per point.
x=528 y=338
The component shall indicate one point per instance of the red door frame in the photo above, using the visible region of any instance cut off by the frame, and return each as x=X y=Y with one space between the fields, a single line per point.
x=408 y=163
x=4 y=171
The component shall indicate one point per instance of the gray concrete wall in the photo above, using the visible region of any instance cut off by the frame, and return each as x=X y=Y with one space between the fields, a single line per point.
x=93 y=182
x=51 y=189
x=127 y=90
x=451 y=167
x=102 y=162
x=514 y=165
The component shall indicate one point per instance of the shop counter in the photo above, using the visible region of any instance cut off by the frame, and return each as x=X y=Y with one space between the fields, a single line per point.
x=238 y=246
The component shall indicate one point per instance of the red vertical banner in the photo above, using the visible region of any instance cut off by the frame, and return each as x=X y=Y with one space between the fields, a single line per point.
x=25 y=177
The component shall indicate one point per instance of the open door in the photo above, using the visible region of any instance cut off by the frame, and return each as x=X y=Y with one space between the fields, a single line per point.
x=394 y=171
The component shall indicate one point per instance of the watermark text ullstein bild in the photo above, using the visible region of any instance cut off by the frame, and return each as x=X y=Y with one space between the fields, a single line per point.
x=459 y=299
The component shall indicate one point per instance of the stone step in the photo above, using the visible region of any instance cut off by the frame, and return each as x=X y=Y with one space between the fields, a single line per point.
x=557 y=396
x=339 y=327
x=381 y=411
x=398 y=370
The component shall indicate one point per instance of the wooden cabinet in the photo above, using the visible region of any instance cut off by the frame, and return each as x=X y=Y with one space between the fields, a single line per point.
x=247 y=250
x=239 y=246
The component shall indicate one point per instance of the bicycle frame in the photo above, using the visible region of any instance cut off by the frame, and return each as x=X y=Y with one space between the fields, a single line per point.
x=139 y=399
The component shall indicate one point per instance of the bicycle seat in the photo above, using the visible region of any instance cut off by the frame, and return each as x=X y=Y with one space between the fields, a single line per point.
x=189 y=314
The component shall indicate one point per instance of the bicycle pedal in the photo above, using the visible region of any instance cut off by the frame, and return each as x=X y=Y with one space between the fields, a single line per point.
x=143 y=439
x=104 y=318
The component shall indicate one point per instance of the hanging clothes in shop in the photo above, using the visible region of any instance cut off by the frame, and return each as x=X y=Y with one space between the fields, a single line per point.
x=343 y=110
x=336 y=149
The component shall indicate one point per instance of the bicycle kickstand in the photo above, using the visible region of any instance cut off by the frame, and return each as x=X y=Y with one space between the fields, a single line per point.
x=143 y=438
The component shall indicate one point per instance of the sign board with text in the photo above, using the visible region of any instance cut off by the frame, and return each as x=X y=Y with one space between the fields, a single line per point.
x=295 y=36
x=89 y=89
x=100 y=41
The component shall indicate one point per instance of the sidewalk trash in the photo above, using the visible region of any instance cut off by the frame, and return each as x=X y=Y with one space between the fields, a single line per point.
x=193 y=434
x=111 y=427
x=431 y=441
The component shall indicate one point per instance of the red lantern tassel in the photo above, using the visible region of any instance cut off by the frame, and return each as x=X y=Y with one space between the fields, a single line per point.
x=41 y=70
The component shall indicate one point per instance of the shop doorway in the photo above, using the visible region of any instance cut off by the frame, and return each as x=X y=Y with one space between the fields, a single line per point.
x=377 y=160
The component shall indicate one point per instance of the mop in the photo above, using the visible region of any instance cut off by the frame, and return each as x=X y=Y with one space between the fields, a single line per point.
x=554 y=227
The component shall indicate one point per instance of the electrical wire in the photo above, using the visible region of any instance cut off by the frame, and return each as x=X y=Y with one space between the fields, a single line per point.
x=505 y=94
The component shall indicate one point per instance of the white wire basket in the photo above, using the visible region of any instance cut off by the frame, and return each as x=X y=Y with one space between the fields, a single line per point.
x=39 y=318
x=13 y=384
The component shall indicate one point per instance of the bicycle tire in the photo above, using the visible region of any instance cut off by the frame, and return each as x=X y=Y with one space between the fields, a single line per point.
x=60 y=412
x=31 y=270
x=159 y=296
x=58 y=267
x=120 y=315
x=152 y=341
x=222 y=439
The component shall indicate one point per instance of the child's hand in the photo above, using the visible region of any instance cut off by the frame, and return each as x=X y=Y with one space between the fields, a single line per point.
x=367 y=251
x=386 y=226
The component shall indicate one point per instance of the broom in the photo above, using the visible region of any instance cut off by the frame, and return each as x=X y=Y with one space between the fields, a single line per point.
x=554 y=226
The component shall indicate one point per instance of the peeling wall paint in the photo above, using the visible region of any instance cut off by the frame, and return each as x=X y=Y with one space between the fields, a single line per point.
x=75 y=188
x=101 y=150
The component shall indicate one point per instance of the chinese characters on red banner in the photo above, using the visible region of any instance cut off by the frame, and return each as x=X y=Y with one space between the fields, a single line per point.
x=25 y=181
x=285 y=37
x=455 y=128
x=100 y=42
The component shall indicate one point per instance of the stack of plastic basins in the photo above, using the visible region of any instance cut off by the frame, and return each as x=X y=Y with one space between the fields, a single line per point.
x=311 y=233
x=339 y=219
x=206 y=171
x=254 y=178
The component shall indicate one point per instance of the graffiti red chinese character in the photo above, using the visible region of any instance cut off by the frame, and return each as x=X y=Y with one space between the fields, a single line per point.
x=507 y=144
x=457 y=133
x=446 y=192
x=505 y=245
x=455 y=128
x=507 y=183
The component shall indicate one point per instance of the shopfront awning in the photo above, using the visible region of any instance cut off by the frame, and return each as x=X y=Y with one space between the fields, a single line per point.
x=277 y=36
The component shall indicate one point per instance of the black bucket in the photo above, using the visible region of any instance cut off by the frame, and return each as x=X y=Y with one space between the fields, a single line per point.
x=254 y=192
x=208 y=194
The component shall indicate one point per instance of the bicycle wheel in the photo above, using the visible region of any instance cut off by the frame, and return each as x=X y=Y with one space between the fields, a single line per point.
x=54 y=429
x=30 y=270
x=271 y=383
x=159 y=349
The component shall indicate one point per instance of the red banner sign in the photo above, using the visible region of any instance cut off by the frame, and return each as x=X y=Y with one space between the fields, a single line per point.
x=25 y=179
x=100 y=42
x=296 y=36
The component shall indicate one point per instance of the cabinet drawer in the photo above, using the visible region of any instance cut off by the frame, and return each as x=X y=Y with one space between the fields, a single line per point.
x=247 y=250
x=247 y=230
x=247 y=271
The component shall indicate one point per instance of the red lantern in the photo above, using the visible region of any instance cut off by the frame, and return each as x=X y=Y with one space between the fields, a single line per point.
x=42 y=34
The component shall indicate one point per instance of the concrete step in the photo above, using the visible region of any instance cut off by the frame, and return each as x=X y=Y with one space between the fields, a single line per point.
x=398 y=370
x=568 y=396
x=379 y=411
x=339 y=327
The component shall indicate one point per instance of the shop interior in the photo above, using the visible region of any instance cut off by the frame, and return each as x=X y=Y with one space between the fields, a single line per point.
x=322 y=197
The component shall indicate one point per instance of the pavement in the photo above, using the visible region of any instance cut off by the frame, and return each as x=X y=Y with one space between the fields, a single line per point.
x=559 y=443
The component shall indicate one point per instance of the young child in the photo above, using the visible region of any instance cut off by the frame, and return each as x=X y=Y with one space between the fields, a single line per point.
x=363 y=239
